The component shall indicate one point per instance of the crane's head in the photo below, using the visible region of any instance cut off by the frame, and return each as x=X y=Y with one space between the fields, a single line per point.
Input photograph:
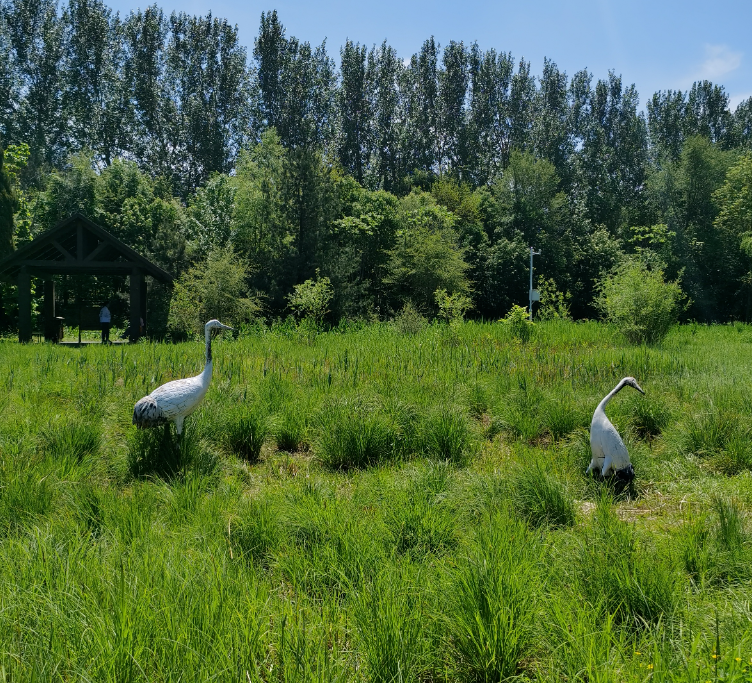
x=215 y=325
x=632 y=382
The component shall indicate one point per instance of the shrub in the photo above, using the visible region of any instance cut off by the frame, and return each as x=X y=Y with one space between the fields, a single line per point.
x=541 y=499
x=311 y=299
x=554 y=305
x=409 y=320
x=245 y=431
x=518 y=323
x=491 y=610
x=639 y=302
x=452 y=307
x=216 y=288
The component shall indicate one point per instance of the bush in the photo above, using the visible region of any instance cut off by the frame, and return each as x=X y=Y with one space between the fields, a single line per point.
x=518 y=323
x=409 y=320
x=639 y=302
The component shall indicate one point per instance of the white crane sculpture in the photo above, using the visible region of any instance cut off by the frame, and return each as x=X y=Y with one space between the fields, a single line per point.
x=610 y=455
x=174 y=401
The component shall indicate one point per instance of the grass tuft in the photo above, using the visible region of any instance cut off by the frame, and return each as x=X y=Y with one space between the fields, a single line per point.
x=541 y=499
x=245 y=430
x=447 y=437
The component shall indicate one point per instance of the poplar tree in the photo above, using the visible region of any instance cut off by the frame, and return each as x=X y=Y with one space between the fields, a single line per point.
x=8 y=206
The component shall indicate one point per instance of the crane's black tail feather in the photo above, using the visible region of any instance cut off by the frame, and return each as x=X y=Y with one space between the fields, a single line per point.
x=146 y=413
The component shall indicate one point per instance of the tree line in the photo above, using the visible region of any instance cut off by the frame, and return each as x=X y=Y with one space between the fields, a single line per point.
x=393 y=178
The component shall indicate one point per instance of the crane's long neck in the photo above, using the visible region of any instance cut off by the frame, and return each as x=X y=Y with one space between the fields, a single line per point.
x=207 y=373
x=602 y=405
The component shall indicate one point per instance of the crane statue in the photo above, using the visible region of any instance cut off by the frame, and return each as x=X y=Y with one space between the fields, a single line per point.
x=174 y=401
x=610 y=455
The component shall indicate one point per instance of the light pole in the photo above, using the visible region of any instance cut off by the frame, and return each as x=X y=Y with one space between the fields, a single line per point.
x=534 y=294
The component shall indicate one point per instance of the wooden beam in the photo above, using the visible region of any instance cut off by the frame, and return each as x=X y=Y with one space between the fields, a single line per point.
x=24 y=306
x=63 y=250
x=62 y=267
x=79 y=242
x=97 y=251
x=50 y=334
x=136 y=282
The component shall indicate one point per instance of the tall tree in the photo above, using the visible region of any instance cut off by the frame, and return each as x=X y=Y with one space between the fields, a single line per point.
x=551 y=138
x=209 y=83
x=8 y=204
x=451 y=109
x=37 y=38
x=354 y=110
x=488 y=126
x=421 y=91
x=387 y=69
x=667 y=112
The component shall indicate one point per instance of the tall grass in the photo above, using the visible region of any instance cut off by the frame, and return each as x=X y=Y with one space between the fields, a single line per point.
x=418 y=510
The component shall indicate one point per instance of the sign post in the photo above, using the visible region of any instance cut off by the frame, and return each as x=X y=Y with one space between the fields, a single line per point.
x=534 y=293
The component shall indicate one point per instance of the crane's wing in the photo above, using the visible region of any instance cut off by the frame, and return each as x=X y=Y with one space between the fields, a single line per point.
x=179 y=397
x=615 y=454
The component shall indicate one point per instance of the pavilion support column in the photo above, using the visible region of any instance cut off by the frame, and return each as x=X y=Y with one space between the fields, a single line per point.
x=142 y=285
x=137 y=281
x=50 y=334
x=24 y=306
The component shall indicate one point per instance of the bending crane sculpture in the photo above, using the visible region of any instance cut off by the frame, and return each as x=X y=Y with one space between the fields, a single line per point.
x=174 y=401
x=610 y=455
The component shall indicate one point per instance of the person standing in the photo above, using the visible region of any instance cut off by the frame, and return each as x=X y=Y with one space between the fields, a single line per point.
x=104 y=321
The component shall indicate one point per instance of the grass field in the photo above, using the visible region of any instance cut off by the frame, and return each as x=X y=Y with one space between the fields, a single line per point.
x=367 y=505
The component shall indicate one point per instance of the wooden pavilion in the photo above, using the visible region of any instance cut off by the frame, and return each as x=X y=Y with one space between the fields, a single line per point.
x=76 y=246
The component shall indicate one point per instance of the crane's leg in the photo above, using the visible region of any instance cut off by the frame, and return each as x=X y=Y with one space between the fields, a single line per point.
x=179 y=424
x=607 y=468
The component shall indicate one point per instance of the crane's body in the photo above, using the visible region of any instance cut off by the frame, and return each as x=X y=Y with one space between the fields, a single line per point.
x=610 y=455
x=176 y=400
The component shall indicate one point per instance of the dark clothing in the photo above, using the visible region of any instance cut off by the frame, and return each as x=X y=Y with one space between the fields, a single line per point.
x=105 y=333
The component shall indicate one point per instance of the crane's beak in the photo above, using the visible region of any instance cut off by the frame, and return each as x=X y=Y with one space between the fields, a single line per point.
x=637 y=386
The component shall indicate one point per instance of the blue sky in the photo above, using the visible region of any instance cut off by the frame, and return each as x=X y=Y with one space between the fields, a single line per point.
x=656 y=44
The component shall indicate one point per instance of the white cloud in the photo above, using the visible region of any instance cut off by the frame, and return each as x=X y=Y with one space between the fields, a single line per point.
x=719 y=61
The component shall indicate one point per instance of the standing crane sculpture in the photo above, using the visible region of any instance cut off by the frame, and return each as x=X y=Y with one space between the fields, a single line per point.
x=174 y=401
x=610 y=456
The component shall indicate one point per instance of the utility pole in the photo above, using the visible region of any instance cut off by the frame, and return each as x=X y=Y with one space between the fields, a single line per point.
x=534 y=293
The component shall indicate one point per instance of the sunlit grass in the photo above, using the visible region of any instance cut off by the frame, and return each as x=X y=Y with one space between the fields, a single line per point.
x=377 y=505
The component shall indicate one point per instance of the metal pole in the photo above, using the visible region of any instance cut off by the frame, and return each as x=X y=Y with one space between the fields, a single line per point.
x=530 y=293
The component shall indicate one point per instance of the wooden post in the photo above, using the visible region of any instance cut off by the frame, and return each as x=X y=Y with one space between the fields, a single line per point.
x=142 y=303
x=50 y=333
x=24 y=306
x=136 y=282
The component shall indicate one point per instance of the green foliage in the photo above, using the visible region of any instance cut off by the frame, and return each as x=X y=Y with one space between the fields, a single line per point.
x=409 y=320
x=245 y=429
x=518 y=322
x=8 y=205
x=540 y=499
x=452 y=307
x=311 y=299
x=637 y=587
x=554 y=305
x=639 y=301
x=162 y=453
x=491 y=602
x=217 y=289
x=426 y=256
